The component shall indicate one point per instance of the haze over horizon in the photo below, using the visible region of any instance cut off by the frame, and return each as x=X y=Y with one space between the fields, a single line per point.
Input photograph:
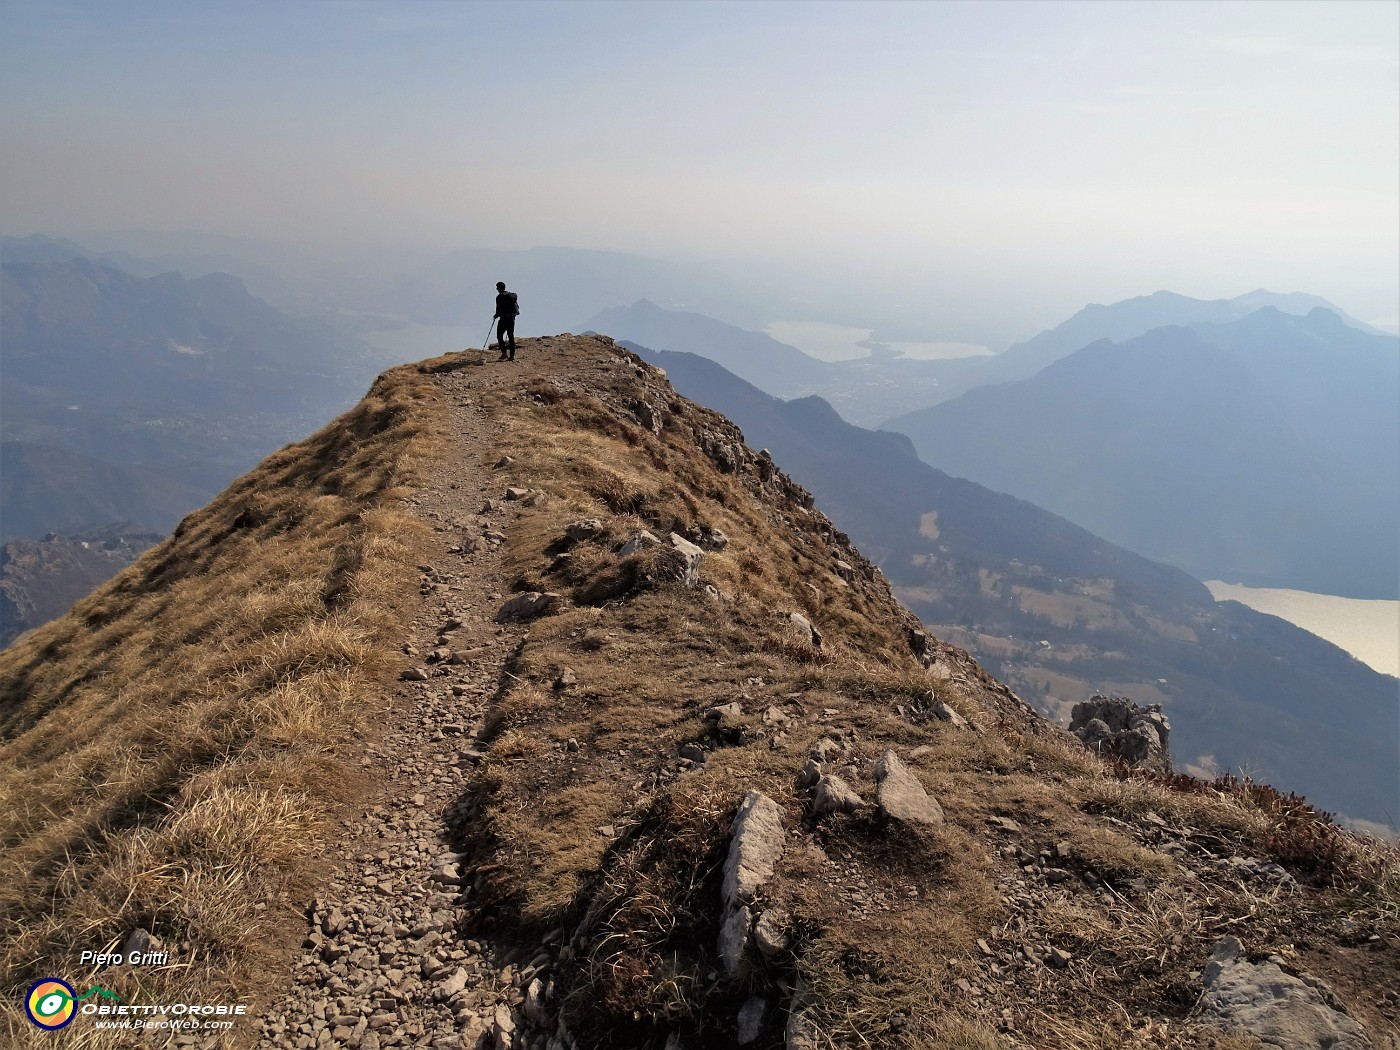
x=1001 y=156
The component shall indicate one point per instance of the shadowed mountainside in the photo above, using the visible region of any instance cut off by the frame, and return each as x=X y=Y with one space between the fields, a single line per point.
x=1264 y=451
x=48 y=490
x=40 y=579
x=1060 y=614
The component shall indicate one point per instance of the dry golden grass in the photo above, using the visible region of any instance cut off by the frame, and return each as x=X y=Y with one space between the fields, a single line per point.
x=240 y=651
x=165 y=760
x=884 y=924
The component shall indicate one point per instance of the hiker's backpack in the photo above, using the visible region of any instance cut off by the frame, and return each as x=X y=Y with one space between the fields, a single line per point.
x=514 y=304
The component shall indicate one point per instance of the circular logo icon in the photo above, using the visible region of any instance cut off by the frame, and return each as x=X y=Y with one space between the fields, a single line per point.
x=50 y=1003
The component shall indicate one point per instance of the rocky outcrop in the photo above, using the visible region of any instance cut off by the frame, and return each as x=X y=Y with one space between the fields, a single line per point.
x=1276 y=1007
x=1115 y=727
x=755 y=848
x=690 y=556
x=834 y=795
x=804 y=629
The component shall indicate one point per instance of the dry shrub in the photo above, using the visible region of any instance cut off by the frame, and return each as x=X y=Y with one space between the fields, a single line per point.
x=1284 y=826
x=1116 y=858
x=651 y=925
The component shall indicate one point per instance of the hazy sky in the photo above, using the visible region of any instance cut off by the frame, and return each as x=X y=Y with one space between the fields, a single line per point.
x=1060 y=153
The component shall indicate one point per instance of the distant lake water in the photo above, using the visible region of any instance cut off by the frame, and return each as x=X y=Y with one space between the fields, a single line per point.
x=838 y=342
x=1369 y=630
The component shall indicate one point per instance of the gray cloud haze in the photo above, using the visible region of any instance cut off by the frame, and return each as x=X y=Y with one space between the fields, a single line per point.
x=1045 y=154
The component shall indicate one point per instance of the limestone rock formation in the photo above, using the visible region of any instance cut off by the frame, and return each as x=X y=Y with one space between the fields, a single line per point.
x=1115 y=727
x=1276 y=1007
x=755 y=847
x=901 y=797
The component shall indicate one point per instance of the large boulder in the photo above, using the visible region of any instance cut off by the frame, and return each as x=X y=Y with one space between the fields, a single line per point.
x=754 y=851
x=1115 y=727
x=902 y=797
x=1276 y=1007
x=755 y=848
x=689 y=555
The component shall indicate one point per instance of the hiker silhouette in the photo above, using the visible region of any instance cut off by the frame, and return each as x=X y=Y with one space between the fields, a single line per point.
x=507 y=307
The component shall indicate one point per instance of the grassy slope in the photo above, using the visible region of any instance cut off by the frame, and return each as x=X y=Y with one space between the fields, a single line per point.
x=584 y=818
x=163 y=756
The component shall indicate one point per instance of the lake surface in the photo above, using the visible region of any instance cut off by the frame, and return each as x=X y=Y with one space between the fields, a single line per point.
x=838 y=342
x=1369 y=630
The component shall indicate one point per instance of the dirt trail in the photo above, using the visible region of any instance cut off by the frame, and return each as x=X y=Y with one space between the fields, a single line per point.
x=383 y=962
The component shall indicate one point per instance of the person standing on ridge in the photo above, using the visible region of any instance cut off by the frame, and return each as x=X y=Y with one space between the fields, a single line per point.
x=507 y=307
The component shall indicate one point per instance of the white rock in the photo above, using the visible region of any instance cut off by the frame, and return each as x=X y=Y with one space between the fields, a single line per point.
x=734 y=940
x=454 y=984
x=900 y=795
x=534 y=1001
x=805 y=629
x=769 y=935
x=947 y=714
x=754 y=848
x=1274 y=1006
x=690 y=559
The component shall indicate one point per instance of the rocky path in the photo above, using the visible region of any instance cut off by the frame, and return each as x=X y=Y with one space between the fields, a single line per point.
x=383 y=963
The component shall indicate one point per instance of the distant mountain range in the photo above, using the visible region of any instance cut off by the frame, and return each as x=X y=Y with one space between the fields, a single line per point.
x=868 y=391
x=1264 y=450
x=1121 y=321
x=1059 y=613
x=138 y=397
x=757 y=358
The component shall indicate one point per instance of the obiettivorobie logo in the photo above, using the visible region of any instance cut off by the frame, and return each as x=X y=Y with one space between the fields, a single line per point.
x=51 y=1004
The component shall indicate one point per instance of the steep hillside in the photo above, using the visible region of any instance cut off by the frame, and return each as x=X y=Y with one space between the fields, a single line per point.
x=1264 y=451
x=1059 y=614
x=40 y=579
x=661 y=762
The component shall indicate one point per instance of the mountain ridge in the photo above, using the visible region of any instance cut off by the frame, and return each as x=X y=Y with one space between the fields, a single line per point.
x=496 y=796
x=1060 y=614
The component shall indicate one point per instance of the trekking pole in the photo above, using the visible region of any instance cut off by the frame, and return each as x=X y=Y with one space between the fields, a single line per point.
x=488 y=335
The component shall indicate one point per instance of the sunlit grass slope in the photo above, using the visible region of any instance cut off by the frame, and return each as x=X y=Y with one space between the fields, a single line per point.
x=163 y=758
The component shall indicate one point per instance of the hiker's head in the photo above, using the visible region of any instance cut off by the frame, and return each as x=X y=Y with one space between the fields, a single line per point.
x=500 y=286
